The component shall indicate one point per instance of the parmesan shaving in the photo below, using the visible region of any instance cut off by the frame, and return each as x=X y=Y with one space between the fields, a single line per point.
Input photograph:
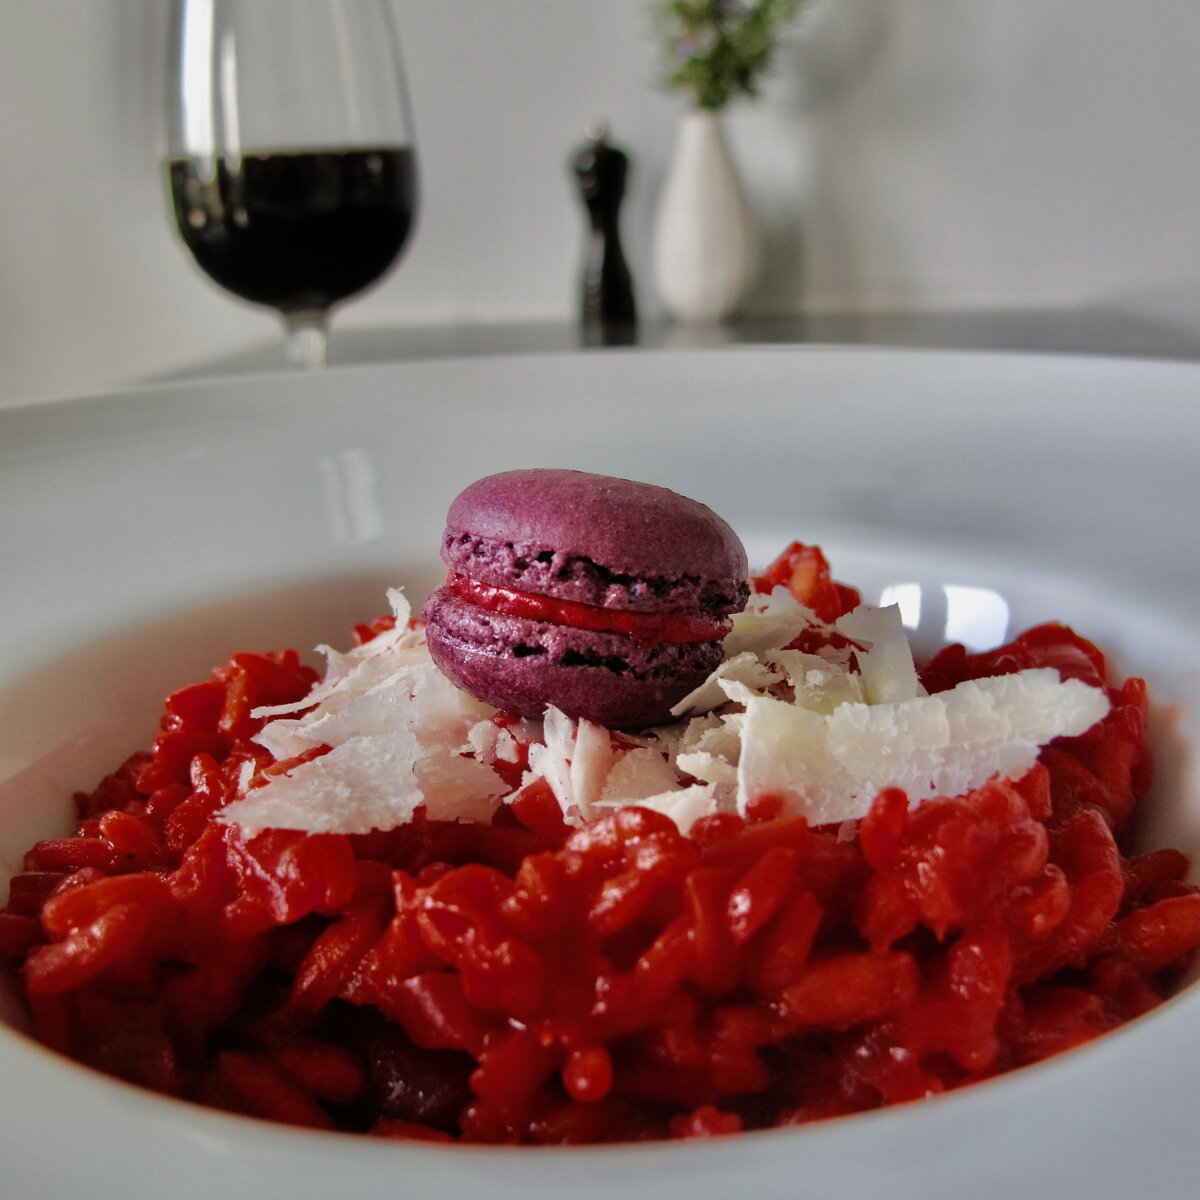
x=551 y=759
x=399 y=736
x=372 y=658
x=365 y=784
x=768 y=622
x=590 y=766
x=829 y=768
x=685 y=806
x=886 y=663
x=640 y=774
x=744 y=668
x=817 y=683
x=488 y=742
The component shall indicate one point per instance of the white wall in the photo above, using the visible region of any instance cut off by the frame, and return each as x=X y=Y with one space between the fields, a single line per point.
x=915 y=153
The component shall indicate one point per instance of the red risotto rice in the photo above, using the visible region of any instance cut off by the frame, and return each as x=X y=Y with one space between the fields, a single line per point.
x=526 y=982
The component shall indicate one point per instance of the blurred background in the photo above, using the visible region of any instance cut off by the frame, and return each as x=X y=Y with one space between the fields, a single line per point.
x=906 y=156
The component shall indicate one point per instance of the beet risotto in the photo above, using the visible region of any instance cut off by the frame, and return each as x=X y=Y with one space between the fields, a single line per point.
x=554 y=932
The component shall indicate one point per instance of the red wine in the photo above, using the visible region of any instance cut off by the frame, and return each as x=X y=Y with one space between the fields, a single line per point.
x=296 y=229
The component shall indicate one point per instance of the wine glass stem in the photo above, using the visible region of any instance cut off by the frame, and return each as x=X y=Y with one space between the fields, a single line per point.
x=307 y=339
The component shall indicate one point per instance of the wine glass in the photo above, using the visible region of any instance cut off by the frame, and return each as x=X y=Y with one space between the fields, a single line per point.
x=290 y=163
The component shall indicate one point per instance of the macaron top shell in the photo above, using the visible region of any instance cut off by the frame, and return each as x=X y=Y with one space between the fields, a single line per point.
x=611 y=543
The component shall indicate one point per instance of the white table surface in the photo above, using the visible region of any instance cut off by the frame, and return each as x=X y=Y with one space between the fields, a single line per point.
x=1092 y=331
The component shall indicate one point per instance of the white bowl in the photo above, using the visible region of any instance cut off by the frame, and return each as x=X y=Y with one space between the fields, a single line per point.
x=147 y=534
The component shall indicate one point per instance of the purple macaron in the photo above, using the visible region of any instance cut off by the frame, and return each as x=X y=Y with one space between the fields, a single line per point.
x=605 y=598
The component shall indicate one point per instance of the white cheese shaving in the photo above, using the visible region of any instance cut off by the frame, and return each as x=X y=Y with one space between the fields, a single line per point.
x=638 y=775
x=590 y=766
x=399 y=734
x=743 y=668
x=708 y=767
x=685 y=806
x=365 y=784
x=454 y=788
x=819 y=684
x=769 y=622
x=370 y=660
x=886 y=662
x=551 y=759
x=489 y=743
x=830 y=767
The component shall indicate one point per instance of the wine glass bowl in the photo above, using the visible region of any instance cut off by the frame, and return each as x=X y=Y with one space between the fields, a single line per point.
x=291 y=168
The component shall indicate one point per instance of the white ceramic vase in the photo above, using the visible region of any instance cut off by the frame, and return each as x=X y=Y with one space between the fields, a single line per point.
x=704 y=247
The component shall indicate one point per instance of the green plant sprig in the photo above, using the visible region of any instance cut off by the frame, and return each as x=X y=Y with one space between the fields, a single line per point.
x=718 y=49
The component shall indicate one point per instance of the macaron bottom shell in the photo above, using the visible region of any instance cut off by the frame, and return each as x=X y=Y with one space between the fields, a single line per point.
x=522 y=665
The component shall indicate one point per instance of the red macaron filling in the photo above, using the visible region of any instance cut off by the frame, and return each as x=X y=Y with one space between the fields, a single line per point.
x=679 y=628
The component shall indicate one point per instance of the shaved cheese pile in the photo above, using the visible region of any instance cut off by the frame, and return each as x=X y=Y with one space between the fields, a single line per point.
x=824 y=732
x=401 y=736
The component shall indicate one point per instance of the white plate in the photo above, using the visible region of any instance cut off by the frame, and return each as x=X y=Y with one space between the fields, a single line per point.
x=269 y=511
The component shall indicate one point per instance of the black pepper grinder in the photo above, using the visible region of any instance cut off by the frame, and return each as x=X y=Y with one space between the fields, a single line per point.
x=608 y=311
